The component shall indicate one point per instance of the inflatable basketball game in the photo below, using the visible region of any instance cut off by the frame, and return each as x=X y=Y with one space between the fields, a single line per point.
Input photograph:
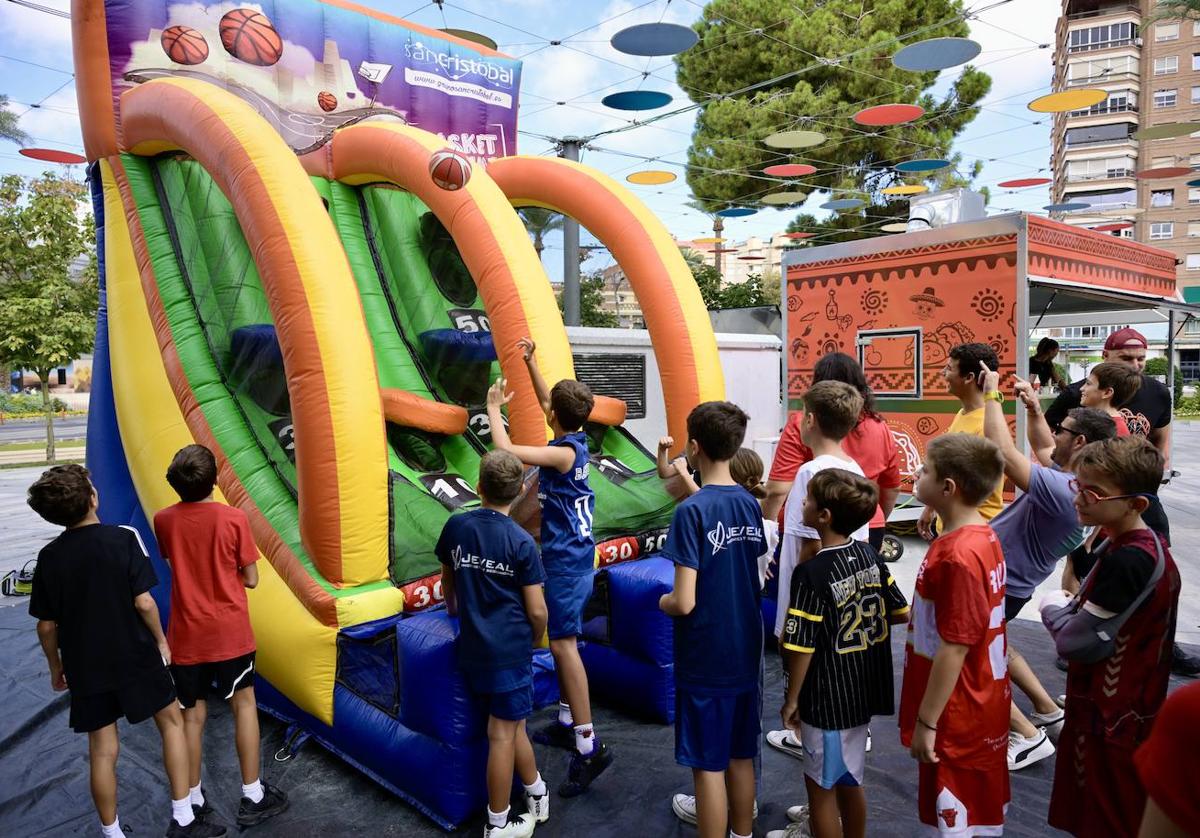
x=311 y=264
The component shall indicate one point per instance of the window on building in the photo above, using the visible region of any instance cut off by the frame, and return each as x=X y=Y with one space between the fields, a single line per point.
x=1196 y=94
x=1089 y=331
x=1193 y=262
x=1196 y=60
x=1166 y=32
x=1097 y=134
x=1161 y=230
x=1194 y=196
x=1101 y=168
x=1101 y=37
x=1161 y=162
x=1119 y=101
x=1194 y=229
x=1165 y=98
x=1166 y=65
x=1162 y=197
x=1089 y=70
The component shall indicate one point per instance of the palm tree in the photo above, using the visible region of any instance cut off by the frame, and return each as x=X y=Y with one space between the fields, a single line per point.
x=718 y=226
x=1176 y=10
x=9 y=129
x=540 y=221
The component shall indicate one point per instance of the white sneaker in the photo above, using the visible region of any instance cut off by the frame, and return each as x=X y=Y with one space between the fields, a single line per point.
x=868 y=748
x=798 y=814
x=1023 y=752
x=518 y=826
x=785 y=741
x=792 y=830
x=684 y=807
x=1052 y=723
x=539 y=806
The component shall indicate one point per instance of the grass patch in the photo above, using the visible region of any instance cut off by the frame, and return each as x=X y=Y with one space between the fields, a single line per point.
x=40 y=446
x=60 y=461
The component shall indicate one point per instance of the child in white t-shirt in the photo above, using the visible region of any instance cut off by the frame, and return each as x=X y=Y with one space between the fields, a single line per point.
x=746 y=468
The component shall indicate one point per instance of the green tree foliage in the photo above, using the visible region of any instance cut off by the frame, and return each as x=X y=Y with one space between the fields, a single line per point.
x=1158 y=367
x=1176 y=10
x=540 y=221
x=10 y=129
x=48 y=281
x=591 y=303
x=814 y=70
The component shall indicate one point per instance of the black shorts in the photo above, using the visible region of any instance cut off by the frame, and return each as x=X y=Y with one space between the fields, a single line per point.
x=1013 y=606
x=219 y=679
x=136 y=701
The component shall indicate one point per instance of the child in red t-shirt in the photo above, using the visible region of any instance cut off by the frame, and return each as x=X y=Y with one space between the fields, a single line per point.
x=1113 y=695
x=212 y=556
x=955 y=699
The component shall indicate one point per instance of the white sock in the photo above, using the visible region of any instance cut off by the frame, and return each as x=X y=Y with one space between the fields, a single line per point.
x=733 y=834
x=585 y=739
x=537 y=788
x=254 y=791
x=113 y=830
x=181 y=811
x=197 y=796
x=564 y=714
x=498 y=818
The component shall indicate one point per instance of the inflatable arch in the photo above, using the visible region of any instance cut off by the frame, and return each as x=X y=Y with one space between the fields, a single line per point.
x=283 y=282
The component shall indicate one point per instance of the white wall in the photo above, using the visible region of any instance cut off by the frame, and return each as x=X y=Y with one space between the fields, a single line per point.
x=751 y=364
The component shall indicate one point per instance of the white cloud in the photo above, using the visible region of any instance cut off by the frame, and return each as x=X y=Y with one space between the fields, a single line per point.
x=37 y=36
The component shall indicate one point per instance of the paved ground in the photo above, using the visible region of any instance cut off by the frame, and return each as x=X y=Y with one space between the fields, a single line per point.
x=34 y=430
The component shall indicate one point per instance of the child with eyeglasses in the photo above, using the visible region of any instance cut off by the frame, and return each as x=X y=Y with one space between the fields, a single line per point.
x=1118 y=671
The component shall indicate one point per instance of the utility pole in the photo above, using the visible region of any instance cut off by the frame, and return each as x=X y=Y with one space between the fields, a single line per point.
x=568 y=149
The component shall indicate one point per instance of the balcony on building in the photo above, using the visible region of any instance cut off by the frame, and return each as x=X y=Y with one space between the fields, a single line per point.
x=1087 y=10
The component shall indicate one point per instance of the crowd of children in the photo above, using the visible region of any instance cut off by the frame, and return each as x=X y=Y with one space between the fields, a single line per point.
x=837 y=601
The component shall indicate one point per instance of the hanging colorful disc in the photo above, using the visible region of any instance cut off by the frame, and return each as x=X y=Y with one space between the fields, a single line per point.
x=751 y=258
x=53 y=155
x=1068 y=100
x=650 y=39
x=799 y=235
x=927 y=165
x=1194 y=183
x=1163 y=172
x=906 y=189
x=936 y=54
x=736 y=212
x=636 y=100
x=790 y=170
x=650 y=177
x=1112 y=228
x=783 y=198
x=1167 y=130
x=883 y=115
x=794 y=139
x=473 y=37
x=1022 y=182
x=1069 y=206
x=708 y=240
x=843 y=204
x=895 y=227
x=723 y=250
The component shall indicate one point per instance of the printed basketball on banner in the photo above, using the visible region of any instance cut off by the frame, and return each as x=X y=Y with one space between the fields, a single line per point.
x=449 y=170
x=249 y=36
x=326 y=100
x=184 y=45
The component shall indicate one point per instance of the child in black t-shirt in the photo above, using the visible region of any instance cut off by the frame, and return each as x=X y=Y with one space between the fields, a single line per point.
x=840 y=673
x=492 y=579
x=100 y=630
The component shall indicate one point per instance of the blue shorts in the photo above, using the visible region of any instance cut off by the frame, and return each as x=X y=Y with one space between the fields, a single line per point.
x=565 y=598
x=506 y=693
x=711 y=730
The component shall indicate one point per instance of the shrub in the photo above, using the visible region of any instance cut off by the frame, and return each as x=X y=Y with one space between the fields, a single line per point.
x=1158 y=367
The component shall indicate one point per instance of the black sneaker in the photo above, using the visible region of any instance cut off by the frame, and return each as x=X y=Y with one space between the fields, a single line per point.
x=195 y=829
x=204 y=811
x=1184 y=664
x=274 y=801
x=585 y=769
x=556 y=735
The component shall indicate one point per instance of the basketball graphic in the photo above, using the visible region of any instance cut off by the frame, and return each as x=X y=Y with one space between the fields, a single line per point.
x=248 y=36
x=449 y=169
x=184 y=45
x=326 y=100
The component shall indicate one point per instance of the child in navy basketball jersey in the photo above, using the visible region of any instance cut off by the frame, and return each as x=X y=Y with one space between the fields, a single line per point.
x=715 y=540
x=492 y=578
x=568 y=554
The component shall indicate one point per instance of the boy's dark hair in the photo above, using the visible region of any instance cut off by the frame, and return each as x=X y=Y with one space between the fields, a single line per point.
x=501 y=476
x=850 y=499
x=746 y=469
x=718 y=428
x=1131 y=463
x=1122 y=379
x=1093 y=423
x=974 y=463
x=1046 y=345
x=835 y=406
x=572 y=403
x=968 y=355
x=62 y=495
x=192 y=473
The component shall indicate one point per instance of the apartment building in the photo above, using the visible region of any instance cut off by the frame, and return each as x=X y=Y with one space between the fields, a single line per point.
x=1152 y=74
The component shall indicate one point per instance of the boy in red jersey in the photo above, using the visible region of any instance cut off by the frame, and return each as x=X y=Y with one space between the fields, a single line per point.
x=1113 y=694
x=212 y=556
x=955 y=699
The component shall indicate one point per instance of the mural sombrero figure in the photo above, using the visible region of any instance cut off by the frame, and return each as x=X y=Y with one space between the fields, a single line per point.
x=284 y=283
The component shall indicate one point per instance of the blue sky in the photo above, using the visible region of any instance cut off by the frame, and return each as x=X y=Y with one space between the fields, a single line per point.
x=35 y=68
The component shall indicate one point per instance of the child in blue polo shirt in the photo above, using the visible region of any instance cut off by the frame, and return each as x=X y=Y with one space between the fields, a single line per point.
x=568 y=554
x=715 y=540
x=491 y=578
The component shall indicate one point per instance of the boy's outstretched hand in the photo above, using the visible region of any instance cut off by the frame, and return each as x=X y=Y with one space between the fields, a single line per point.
x=527 y=348
x=496 y=396
x=666 y=443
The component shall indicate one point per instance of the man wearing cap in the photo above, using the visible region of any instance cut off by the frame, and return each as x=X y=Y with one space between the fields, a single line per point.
x=1147 y=414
